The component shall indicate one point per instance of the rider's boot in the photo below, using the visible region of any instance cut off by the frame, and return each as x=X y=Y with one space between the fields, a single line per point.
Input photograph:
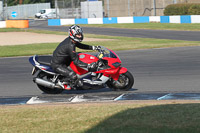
x=64 y=85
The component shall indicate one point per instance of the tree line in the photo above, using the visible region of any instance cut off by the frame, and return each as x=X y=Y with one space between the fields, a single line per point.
x=52 y=2
x=17 y=2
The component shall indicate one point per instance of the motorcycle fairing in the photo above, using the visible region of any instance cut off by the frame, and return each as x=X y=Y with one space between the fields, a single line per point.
x=121 y=71
x=112 y=61
x=77 y=69
x=34 y=61
x=114 y=73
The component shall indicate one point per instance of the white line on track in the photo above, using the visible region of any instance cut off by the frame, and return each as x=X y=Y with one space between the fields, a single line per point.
x=165 y=96
x=35 y=100
x=119 y=97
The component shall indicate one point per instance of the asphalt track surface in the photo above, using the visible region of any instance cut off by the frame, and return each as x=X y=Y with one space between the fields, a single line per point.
x=158 y=73
x=140 y=33
x=169 y=70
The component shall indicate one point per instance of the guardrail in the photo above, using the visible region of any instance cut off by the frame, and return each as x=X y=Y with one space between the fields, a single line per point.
x=114 y=20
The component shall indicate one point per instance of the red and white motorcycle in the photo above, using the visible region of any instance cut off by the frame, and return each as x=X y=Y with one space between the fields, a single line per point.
x=109 y=73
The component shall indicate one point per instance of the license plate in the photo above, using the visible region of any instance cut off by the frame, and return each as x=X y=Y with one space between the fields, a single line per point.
x=34 y=71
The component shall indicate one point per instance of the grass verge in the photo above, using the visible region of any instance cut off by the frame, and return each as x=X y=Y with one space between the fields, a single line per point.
x=119 y=117
x=100 y=118
x=31 y=30
x=153 y=26
x=116 y=43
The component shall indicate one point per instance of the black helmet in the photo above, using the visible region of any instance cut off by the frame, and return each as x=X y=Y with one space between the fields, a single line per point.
x=75 y=30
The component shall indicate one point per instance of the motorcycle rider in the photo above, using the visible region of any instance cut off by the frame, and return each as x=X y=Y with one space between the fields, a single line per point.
x=66 y=52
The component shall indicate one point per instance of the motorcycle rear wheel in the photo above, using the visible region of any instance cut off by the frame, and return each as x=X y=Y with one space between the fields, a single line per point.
x=47 y=90
x=124 y=83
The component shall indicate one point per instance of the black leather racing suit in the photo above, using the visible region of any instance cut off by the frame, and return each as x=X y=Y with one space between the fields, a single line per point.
x=64 y=54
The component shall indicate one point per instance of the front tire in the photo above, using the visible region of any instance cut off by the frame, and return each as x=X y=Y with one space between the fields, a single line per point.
x=47 y=90
x=124 y=83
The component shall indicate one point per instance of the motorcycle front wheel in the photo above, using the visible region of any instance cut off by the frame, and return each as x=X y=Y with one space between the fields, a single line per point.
x=47 y=90
x=124 y=83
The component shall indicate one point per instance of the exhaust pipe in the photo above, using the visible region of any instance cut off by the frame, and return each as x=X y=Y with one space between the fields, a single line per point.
x=44 y=83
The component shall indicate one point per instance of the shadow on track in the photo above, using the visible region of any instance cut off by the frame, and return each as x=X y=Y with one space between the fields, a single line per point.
x=94 y=91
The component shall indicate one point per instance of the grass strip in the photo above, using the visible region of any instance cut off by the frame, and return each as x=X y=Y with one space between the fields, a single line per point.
x=121 y=117
x=32 y=30
x=152 y=26
x=26 y=50
x=117 y=43
x=11 y=30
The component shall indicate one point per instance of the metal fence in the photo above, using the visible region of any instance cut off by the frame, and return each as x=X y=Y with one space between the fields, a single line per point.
x=121 y=8
x=118 y=8
x=79 y=8
x=1 y=10
x=24 y=11
x=86 y=8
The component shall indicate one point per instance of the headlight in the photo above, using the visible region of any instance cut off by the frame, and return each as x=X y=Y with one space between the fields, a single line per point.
x=116 y=64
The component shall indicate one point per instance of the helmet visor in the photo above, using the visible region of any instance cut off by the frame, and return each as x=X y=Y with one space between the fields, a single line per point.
x=79 y=37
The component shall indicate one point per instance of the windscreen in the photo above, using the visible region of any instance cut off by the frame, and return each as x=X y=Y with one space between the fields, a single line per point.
x=107 y=53
x=42 y=11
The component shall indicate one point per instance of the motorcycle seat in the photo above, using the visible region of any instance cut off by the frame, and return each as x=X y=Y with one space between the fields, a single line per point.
x=45 y=60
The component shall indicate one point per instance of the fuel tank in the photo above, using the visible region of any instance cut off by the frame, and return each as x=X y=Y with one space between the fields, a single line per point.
x=87 y=58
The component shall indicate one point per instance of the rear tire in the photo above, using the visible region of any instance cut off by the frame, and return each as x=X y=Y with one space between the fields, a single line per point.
x=47 y=90
x=124 y=83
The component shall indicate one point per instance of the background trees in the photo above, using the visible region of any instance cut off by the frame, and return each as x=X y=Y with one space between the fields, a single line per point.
x=16 y=2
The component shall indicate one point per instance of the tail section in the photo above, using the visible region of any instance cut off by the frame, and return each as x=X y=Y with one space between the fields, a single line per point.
x=42 y=63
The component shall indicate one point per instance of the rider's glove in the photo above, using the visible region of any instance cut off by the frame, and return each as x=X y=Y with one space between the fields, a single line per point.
x=96 y=48
x=92 y=67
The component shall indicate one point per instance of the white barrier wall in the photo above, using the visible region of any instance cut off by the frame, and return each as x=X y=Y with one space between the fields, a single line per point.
x=174 y=19
x=181 y=19
x=155 y=19
x=2 y=24
x=195 y=18
x=95 y=21
x=125 y=19
x=67 y=21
